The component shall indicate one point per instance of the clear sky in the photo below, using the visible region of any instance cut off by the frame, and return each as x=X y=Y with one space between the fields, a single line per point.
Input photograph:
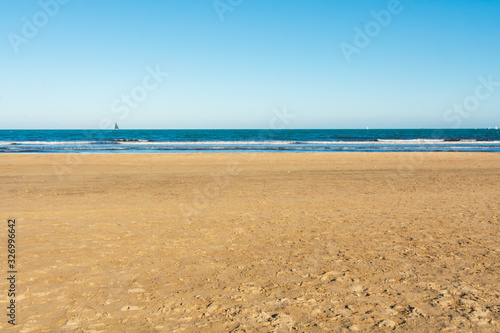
x=234 y=63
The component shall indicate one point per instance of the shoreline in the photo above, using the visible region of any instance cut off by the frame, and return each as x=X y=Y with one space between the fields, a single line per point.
x=260 y=152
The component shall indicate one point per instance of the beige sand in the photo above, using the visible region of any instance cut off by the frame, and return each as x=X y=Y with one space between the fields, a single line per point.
x=254 y=242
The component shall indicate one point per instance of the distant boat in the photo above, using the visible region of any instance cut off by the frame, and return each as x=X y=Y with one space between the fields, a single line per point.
x=116 y=126
x=496 y=127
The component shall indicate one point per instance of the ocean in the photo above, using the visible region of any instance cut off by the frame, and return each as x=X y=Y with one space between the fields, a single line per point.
x=301 y=140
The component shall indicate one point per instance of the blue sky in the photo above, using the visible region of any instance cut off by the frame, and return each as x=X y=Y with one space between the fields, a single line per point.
x=233 y=64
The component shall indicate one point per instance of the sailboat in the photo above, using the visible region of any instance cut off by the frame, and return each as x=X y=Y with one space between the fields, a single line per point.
x=116 y=126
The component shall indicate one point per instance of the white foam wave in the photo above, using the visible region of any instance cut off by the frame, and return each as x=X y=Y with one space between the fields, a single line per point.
x=380 y=142
x=46 y=142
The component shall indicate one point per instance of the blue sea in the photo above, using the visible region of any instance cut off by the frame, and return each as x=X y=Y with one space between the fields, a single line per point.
x=302 y=140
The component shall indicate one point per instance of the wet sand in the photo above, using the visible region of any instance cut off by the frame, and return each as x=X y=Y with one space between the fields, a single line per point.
x=254 y=242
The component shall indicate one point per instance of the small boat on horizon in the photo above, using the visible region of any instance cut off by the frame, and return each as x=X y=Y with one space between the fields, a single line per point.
x=116 y=126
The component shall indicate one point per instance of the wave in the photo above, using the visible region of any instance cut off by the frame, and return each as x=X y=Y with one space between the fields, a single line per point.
x=131 y=140
x=249 y=143
x=6 y=143
x=376 y=141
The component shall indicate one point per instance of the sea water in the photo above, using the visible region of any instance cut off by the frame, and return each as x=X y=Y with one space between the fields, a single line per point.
x=300 y=140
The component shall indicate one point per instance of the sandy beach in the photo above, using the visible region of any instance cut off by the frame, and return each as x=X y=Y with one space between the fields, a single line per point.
x=313 y=242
